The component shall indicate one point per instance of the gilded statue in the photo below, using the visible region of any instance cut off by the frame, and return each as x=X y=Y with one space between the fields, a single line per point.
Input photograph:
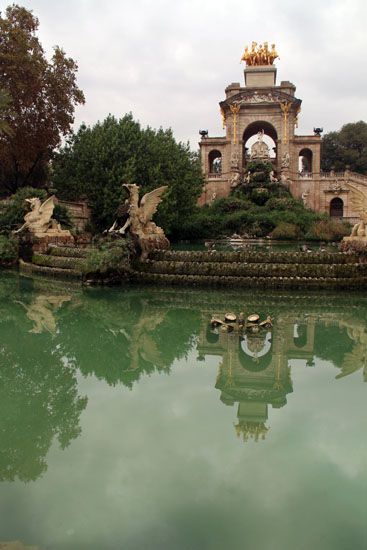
x=145 y=233
x=39 y=220
x=358 y=201
x=259 y=54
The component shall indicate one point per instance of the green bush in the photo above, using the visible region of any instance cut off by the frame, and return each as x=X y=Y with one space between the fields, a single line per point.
x=286 y=230
x=8 y=249
x=328 y=230
x=109 y=255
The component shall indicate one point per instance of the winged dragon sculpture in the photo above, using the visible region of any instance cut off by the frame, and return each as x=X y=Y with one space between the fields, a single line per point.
x=39 y=220
x=145 y=233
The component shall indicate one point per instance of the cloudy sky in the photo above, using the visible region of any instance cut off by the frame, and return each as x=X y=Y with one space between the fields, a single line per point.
x=169 y=61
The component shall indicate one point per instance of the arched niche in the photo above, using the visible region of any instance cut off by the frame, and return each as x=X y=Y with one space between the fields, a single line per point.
x=336 y=207
x=305 y=162
x=215 y=161
x=250 y=136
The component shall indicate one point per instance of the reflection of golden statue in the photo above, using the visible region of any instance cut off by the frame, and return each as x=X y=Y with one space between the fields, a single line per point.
x=148 y=235
x=259 y=55
x=251 y=430
x=39 y=220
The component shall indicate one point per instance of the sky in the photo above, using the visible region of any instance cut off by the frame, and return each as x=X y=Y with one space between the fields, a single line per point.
x=168 y=62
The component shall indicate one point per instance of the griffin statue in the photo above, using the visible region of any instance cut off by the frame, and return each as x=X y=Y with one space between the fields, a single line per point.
x=39 y=220
x=145 y=233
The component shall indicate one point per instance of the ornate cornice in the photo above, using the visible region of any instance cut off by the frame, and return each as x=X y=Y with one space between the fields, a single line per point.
x=258 y=97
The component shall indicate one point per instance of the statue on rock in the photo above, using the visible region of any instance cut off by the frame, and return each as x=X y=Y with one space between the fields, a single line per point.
x=146 y=234
x=39 y=220
x=358 y=200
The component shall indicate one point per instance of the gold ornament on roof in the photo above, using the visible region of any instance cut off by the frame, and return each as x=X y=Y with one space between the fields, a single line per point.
x=259 y=54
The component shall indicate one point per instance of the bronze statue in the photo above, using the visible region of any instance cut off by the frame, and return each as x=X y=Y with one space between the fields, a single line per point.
x=146 y=234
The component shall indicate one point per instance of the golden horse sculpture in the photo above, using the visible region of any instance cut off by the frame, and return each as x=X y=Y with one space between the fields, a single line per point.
x=39 y=220
x=144 y=232
x=259 y=55
x=358 y=201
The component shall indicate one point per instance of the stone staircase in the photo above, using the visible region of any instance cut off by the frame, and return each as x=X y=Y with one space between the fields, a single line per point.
x=59 y=262
x=253 y=269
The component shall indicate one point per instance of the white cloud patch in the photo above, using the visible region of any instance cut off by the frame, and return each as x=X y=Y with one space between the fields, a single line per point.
x=169 y=62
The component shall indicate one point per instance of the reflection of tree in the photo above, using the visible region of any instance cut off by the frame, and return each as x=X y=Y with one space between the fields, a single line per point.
x=332 y=343
x=38 y=396
x=119 y=340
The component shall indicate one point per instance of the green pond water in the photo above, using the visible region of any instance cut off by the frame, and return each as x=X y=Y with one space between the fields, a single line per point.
x=127 y=423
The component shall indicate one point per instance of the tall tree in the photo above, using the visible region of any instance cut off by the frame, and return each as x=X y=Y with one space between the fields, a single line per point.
x=43 y=96
x=347 y=147
x=97 y=160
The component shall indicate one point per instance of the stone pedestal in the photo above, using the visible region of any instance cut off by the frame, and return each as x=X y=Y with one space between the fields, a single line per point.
x=41 y=242
x=260 y=76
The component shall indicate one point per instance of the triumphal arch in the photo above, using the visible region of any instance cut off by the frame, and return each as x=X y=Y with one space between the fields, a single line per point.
x=260 y=120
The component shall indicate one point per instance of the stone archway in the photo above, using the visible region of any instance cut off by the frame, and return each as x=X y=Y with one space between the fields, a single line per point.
x=305 y=163
x=336 y=207
x=270 y=138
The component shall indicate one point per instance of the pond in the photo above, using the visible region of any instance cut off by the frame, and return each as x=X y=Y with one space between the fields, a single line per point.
x=128 y=423
x=270 y=245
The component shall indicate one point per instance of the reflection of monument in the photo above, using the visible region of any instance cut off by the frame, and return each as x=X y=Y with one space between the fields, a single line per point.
x=254 y=373
x=255 y=370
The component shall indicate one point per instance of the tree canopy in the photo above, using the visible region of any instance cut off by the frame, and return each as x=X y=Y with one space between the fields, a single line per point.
x=97 y=160
x=346 y=148
x=42 y=95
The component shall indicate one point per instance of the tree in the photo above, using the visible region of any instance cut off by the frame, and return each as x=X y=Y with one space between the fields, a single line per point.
x=97 y=160
x=43 y=96
x=4 y=106
x=346 y=148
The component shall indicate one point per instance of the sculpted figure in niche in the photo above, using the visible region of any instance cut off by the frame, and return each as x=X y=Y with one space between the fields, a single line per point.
x=285 y=160
x=235 y=180
x=260 y=149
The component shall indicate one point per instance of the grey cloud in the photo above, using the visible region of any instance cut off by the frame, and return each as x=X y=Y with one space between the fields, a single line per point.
x=169 y=63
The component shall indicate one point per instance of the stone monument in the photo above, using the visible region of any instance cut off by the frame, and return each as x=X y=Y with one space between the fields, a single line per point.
x=145 y=233
x=359 y=202
x=43 y=229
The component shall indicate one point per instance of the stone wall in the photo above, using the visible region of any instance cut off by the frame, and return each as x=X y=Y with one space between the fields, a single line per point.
x=79 y=212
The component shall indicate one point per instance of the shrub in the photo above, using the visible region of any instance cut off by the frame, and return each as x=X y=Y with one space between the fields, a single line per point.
x=109 y=255
x=328 y=230
x=8 y=249
x=285 y=230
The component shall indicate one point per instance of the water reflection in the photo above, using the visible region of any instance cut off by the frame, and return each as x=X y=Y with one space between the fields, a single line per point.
x=50 y=333
x=255 y=370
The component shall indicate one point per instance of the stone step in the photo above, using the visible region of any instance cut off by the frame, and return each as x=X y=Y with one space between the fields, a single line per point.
x=54 y=272
x=251 y=282
x=64 y=262
x=254 y=256
x=240 y=269
x=67 y=251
